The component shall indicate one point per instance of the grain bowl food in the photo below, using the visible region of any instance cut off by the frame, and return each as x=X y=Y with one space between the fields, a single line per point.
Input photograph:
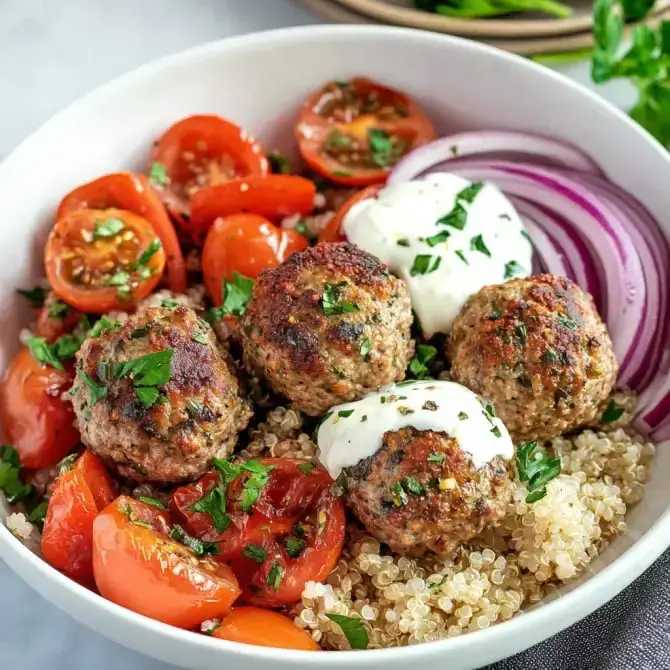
x=383 y=400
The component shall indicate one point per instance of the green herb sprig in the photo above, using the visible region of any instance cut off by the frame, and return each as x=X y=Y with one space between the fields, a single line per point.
x=537 y=468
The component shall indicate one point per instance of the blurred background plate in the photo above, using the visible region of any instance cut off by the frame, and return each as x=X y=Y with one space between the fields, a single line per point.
x=560 y=44
x=403 y=13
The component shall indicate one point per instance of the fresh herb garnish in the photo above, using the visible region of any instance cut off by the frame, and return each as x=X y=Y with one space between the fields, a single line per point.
x=148 y=370
x=440 y=237
x=461 y=255
x=612 y=413
x=254 y=553
x=147 y=395
x=154 y=247
x=294 y=546
x=325 y=417
x=306 y=468
x=279 y=163
x=96 y=391
x=35 y=296
x=462 y=416
x=344 y=413
x=457 y=217
x=353 y=629
x=496 y=431
x=10 y=476
x=198 y=547
x=107 y=228
x=236 y=295
x=425 y=264
x=567 y=321
x=414 y=486
x=399 y=494
x=381 y=147
x=38 y=515
x=535 y=466
x=477 y=244
x=58 y=309
x=259 y=477
x=43 y=352
x=67 y=464
x=521 y=332
x=365 y=347
x=200 y=338
x=418 y=366
x=512 y=269
x=275 y=576
x=331 y=302
x=102 y=326
x=437 y=458
x=403 y=242
x=169 y=304
x=158 y=174
x=214 y=504
x=153 y=502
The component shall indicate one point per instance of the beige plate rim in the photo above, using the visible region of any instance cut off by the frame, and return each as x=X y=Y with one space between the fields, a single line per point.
x=328 y=9
x=415 y=18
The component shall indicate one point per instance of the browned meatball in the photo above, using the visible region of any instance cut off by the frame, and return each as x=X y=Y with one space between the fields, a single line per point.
x=539 y=350
x=421 y=492
x=327 y=326
x=167 y=432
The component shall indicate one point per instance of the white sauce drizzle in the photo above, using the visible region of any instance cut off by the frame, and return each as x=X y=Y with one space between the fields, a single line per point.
x=354 y=431
x=398 y=225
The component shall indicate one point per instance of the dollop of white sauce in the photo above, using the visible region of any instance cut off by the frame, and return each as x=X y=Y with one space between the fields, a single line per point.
x=354 y=431
x=402 y=222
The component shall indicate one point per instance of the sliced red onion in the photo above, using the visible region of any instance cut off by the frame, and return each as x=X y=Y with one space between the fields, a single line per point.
x=492 y=144
x=548 y=258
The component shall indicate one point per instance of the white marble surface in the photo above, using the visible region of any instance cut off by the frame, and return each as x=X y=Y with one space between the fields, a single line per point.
x=51 y=52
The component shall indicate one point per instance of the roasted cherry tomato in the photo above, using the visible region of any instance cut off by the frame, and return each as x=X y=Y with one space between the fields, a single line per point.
x=76 y=499
x=202 y=151
x=56 y=318
x=292 y=534
x=38 y=423
x=273 y=197
x=264 y=628
x=138 y=566
x=333 y=231
x=354 y=132
x=133 y=193
x=247 y=244
x=103 y=260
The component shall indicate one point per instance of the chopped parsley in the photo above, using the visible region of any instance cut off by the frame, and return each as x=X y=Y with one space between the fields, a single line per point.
x=35 y=296
x=147 y=395
x=158 y=174
x=259 y=477
x=440 y=237
x=399 y=494
x=352 y=629
x=414 y=486
x=103 y=325
x=254 y=553
x=326 y=416
x=512 y=269
x=477 y=244
x=567 y=321
x=331 y=302
x=58 y=309
x=437 y=458
x=97 y=391
x=341 y=173
x=10 y=476
x=523 y=232
x=294 y=546
x=457 y=218
x=345 y=413
x=536 y=467
x=462 y=416
x=67 y=463
x=430 y=405
x=418 y=366
x=365 y=347
x=611 y=413
x=139 y=332
x=153 y=502
x=381 y=147
x=169 y=304
x=44 y=353
x=403 y=242
x=337 y=141
x=237 y=294
x=425 y=264
x=279 y=163
x=107 y=228
x=275 y=576
x=496 y=431
x=461 y=255
x=198 y=547
x=200 y=338
x=38 y=515
x=469 y=193
x=213 y=503
x=521 y=332
x=147 y=372
x=306 y=468
x=154 y=247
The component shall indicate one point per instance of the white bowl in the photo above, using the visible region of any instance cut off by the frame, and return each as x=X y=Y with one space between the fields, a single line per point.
x=259 y=81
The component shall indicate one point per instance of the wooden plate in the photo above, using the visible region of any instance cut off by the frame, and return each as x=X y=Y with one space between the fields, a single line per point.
x=403 y=13
x=330 y=10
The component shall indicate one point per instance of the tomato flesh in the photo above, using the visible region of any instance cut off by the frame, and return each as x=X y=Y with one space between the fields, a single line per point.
x=263 y=628
x=38 y=423
x=354 y=132
x=133 y=193
x=76 y=499
x=273 y=197
x=333 y=231
x=138 y=566
x=246 y=244
x=97 y=270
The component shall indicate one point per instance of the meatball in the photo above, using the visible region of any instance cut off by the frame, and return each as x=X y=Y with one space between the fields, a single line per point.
x=537 y=348
x=163 y=417
x=328 y=325
x=421 y=492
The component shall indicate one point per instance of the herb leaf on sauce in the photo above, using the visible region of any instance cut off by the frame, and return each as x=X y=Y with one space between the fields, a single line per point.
x=512 y=269
x=477 y=244
x=425 y=264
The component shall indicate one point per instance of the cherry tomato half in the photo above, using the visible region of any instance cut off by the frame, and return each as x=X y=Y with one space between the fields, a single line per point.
x=56 y=318
x=138 y=566
x=38 y=423
x=264 y=628
x=354 y=132
x=247 y=244
x=200 y=151
x=294 y=535
x=333 y=231
x=273 y=197
x=133 y=193
x=76 y=499
x=103 y=260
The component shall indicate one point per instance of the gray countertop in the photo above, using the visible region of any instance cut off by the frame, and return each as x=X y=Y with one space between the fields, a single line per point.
x=51 y=52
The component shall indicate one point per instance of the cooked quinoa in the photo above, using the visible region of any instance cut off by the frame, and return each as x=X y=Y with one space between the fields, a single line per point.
x=535 y=548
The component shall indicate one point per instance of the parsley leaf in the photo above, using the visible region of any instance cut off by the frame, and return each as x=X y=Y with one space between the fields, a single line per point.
x=198 y=547
x=612 y=413
x=365 y=347
x=10 y=476
x=477 y=244
x=512 y=269
x=260 y=474
x=42 y=352
x=96 y=391
x=147 y=254
x=275 y=576
x=536 y=467
x=153 y=502
x=58 y=309
x=278 y=163
x=294 y=546
x=255 y=553
x=418 y=366
x=214 y=504
x=425 y=264
x=237 y=294
x=352 y=629
x=158 y=174
x=147 y=395
x=102 y=326
x=434 y=240
x=148 y=370
x=331 y=302
x=381 y=147
x=413 y=485
x=306 y=468
x=107 y=227
x=35 y=296
x=437 y=458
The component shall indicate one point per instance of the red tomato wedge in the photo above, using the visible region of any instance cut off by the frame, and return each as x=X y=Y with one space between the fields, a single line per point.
x=333 y=231
x=246 y=244
x=76 y=499
x=98 y=261
x=264 y=628
x=273 y=197
x=354 y=132
x=201 y=151
x=37 y=422
x=138 y=566
x=133 y=193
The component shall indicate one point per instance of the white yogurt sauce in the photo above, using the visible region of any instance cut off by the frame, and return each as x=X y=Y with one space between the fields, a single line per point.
x=402 y=223
x=354 y=431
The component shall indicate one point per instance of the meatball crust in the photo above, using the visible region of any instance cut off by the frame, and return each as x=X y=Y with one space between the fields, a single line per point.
x=539 y=350
x=420 y=492
x=328 y=326
x=197 y=415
